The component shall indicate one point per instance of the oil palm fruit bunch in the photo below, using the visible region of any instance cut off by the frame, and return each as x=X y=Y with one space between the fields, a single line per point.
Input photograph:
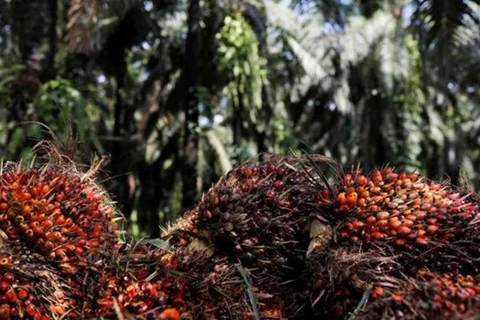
x=406 y=214
x=31 y=288
x=259 y=214
x=151 y=282
x=274 y=238
x=389 y=225
x=61 y=256
x=134 y=284
x=56 y=213
x=363 y=229
x=55 y=225
x=429 y=295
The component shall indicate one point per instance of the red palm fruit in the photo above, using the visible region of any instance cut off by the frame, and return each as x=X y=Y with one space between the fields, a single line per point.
x=170 y=314
x=11 y=296
x=8 y=277
x=22 y=293
x=58 y=310
x=361 y=180
x=376 y=292
x=351 y=199
x=4 y=287
x=341 y=198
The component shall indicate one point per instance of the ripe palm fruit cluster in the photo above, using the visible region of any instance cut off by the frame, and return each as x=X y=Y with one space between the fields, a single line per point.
x=273 y=239
x=389 y=226
x=55 y=224
x=57 y=214
x=31 y=288
x=430 y=295
x=406 y=213
x=401 y=209
x=149 y=282
x=136 y=285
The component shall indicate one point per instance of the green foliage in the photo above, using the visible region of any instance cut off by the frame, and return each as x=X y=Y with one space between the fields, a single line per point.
x=62 y=105
x=410 y=101
x=11 y=136
x=238 y=48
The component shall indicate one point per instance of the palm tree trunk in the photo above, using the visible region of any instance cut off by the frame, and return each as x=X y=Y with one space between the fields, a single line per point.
x=192 y=75
x=52 y=39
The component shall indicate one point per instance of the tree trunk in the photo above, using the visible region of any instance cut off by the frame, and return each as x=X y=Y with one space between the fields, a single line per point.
x=192 y=75
x=52 y=39
x=121 y=148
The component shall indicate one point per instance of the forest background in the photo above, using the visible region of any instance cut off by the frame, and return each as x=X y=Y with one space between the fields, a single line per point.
x=178 y=92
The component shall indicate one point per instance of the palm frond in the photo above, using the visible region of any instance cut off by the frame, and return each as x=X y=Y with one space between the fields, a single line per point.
x=361 y=34
x=214 y=138
x=316 y=47
x=443 y=26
